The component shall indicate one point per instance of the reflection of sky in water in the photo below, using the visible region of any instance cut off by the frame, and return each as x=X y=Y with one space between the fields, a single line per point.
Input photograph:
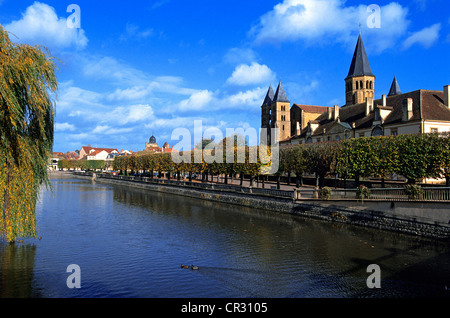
x=131 y=242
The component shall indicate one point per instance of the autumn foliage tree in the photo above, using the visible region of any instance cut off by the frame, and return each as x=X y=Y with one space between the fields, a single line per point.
x=27 y=83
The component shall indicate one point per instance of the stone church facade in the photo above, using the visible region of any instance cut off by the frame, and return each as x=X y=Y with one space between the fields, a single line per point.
x=415 y=112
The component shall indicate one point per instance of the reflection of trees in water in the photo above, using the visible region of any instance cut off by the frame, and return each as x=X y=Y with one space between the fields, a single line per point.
x=338 y=252
x=16 y=270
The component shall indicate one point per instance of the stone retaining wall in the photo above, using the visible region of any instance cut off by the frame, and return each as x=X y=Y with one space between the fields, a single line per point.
x=427 y=219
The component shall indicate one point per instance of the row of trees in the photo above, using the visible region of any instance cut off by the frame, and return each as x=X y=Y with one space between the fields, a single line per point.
x=411 y=156
x=82 y=164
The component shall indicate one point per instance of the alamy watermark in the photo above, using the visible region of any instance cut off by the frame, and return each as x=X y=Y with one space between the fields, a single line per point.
x=373 y=21
x=74 y=20
x=74 y=279
x=374 y=279
x=232 y=149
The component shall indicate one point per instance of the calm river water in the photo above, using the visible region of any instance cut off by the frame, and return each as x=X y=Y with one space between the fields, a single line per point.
x=130 y=243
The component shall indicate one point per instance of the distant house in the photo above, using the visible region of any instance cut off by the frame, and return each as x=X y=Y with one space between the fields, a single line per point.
x=91 y=153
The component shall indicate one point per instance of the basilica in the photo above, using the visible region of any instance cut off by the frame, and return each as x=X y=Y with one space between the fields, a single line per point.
x=396 y=112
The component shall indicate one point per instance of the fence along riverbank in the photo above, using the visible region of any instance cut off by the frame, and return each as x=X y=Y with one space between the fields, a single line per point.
x=388 y=209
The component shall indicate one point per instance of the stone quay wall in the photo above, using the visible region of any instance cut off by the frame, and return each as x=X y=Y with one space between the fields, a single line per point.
x=419 y=218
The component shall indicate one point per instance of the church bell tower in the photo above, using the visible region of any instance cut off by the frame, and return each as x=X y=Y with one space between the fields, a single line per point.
x=360 y=81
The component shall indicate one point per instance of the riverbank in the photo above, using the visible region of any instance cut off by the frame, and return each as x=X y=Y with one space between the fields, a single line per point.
x=419 y=218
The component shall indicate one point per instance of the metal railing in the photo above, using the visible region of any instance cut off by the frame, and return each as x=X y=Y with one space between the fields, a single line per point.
x=383 y=194
x=441 y=194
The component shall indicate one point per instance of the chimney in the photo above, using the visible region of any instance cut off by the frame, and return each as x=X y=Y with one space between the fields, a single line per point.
x=329 y=114
x=384 y=99
x=369 y=105
x=407 y=109
x=336 y=112
x=447 y=96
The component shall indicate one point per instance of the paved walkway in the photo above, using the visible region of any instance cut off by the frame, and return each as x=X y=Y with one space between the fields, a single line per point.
x=246 y=183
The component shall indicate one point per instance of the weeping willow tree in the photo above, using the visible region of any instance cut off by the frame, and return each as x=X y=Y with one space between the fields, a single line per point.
x=27 y=84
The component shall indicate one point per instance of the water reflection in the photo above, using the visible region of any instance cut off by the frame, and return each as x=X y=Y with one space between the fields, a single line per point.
x=333 y=256
x=130 y=243
x=16 y=270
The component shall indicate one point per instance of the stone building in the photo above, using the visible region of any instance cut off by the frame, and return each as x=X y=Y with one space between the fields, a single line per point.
x=415 y=112
x=152 y=146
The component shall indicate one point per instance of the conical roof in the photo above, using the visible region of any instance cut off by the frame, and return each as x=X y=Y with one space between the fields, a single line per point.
x=280 y=94
x=269 y=96
x=395 y=88
x=360 y=63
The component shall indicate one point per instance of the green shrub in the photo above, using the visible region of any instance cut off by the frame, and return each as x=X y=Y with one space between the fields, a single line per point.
x=362 y=192
x=414 y=191
x=325 y=193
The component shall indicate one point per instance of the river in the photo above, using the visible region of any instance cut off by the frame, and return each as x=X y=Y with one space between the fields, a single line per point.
x=131 y=243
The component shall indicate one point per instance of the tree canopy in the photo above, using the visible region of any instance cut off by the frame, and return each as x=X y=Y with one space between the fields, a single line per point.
x=28 y=86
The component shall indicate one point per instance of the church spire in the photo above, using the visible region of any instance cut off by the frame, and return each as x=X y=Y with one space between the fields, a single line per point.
x=360 y=81
x=269 y=96
x=280 y=94
x=395 y=88
x=360 y=63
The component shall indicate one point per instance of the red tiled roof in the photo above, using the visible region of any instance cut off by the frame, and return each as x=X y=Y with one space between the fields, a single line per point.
x=312 y=108
x=108 y=150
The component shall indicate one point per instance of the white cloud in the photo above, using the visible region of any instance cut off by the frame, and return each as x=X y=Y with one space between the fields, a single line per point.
x=247 y=98
x=112 y=70
x=316 y=20
x=41 y=25
x=425 y=37
x=64 y=127
x=254 y=73
x=108 y=130
x=197 y=101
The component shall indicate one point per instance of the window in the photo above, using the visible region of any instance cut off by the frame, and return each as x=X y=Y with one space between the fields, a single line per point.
x=357 y=85
x=394 y=132
x=361 y=135
x=377 y=131
x=338 y=137
x=433 y=130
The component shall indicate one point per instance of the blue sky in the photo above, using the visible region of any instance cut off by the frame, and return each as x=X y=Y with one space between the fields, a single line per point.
x=139 y=68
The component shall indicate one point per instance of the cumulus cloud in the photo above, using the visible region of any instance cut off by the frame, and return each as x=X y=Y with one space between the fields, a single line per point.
x=197 y=100
x=41 y=25
x=248 y=98
x=425 y=37
x=254 y=73
x=313 y=20
x=64 y=127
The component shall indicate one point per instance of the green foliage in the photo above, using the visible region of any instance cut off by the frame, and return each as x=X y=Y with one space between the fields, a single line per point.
x=362 y=192
x=414 y=191
x=418 y=156
x=325 y=193
x=27 y=82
